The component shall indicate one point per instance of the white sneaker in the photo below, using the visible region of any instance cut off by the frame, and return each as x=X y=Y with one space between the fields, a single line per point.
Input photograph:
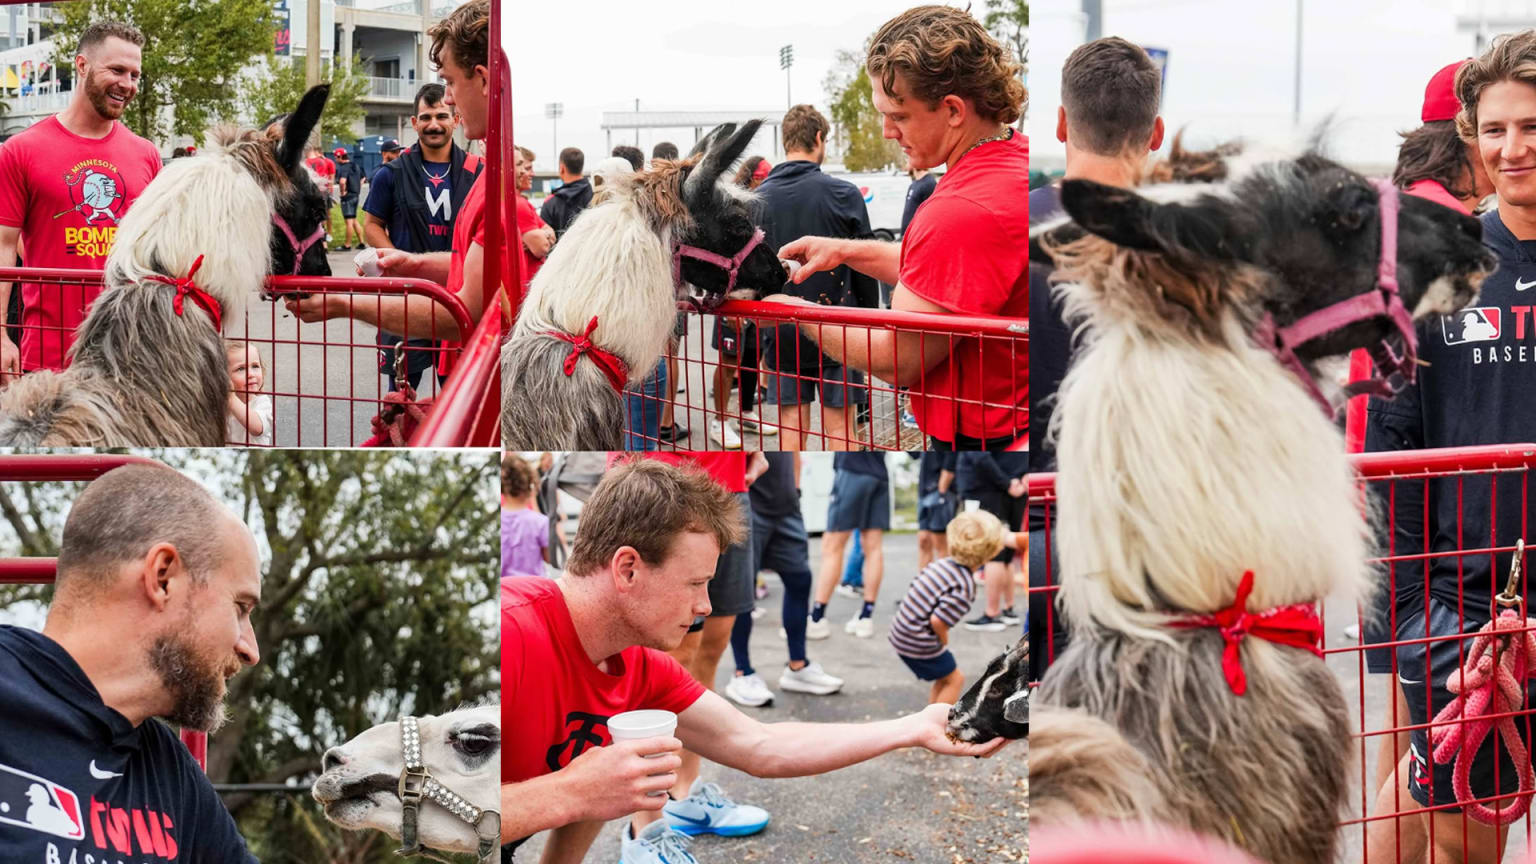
x=724 y=435
x=752 y=421
x=809 y=679
x=749 y=690
x=1352 y=632
x=758 y=612
x=863 y=628
x=853 y=591
x=817 y=629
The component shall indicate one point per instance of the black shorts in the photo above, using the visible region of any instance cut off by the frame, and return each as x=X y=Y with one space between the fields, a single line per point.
x=349 y=207
x=934 y=511
x=731 y=592
x=729 y=342
x=1438 y=660
x=860 y=502
x=1008 y=509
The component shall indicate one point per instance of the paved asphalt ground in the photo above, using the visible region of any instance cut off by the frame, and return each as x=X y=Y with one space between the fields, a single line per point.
x=906 y=806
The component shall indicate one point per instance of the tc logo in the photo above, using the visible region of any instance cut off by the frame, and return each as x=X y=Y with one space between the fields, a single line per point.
x=1473 y=324
x=583 y=734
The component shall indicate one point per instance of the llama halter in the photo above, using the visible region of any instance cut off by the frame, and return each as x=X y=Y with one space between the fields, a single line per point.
x=614 y=368
x=185 y=287
x=417 y=783
x=1296 y=625
x=299 y=246
x=1396 y=369
x=731 y=266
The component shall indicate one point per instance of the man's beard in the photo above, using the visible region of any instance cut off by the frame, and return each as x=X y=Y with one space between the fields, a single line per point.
x=195 y=685
x=98 y=96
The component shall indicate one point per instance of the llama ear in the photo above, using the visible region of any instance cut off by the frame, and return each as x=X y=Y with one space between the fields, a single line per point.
x=703 y=144
x=301 y=123
x=724 y=150
x=1206 y=228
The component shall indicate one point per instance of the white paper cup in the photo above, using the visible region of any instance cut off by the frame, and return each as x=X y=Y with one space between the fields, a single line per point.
x=368 y=261
x=639 y=725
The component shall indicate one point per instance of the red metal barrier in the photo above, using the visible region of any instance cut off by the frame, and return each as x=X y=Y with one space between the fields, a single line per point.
x=41 y=571
x=324 y=390
x=887 y=422
x=1390 y=827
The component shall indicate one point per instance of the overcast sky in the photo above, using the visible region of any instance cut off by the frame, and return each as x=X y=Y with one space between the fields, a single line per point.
x=1231 y=68
x=681 y=55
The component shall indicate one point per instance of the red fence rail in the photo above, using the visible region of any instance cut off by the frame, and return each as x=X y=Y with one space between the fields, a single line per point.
x=41 y=571
x=1391 y=828
x=704 y=372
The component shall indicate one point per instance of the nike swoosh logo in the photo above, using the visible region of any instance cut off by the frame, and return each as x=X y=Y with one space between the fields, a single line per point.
x=100 y=774
x=689 y=819
x=1521 y=285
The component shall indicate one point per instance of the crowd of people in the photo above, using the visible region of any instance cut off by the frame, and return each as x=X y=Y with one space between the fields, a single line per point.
x=616 y=583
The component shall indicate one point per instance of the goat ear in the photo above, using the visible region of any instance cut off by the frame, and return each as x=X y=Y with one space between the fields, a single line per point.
x=301 y=123
x=723 y=152
x=1206 y=228
x=704 y=143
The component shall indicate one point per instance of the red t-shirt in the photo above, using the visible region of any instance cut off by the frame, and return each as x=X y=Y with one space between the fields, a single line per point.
x=468 y=227
x=555 y=703
x=528 y=220
x=729 y=469
x=67 y=194
x=967 y=250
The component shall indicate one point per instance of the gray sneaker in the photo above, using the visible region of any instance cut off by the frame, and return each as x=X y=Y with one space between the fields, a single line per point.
x=659 y=843
x=986 y=624
x=809 y=679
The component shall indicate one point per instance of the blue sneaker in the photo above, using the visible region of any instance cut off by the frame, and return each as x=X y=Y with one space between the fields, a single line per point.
x=657 y=844
x=706 y=810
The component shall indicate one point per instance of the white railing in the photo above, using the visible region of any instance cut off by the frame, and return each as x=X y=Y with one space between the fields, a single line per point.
x=401 y=89
x=35 y=103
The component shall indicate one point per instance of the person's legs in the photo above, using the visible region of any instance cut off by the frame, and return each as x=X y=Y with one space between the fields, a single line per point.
x=1389 y=838
x=741 y=635
x=840 y=398
x=924 y=549
x=832 y=545
x=796 y=608
x=996 y=575
x=874 y=564
x=853 y=568
x=643 y=408
x=947 y=689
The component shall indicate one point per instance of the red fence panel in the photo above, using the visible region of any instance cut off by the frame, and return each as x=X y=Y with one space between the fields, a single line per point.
x=1390 y=827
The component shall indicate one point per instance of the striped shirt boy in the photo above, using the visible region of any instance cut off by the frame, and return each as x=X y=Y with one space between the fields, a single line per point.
x=943 y=590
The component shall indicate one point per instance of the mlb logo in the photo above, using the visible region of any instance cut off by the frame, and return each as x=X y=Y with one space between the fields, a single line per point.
x=1473 y=324
x=30 y=801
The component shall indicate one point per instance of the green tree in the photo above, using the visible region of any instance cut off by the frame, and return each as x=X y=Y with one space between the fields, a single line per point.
x=194 y=51
x=1008 y=20
x=857 y=126
x=277 y=89
x=378 y=599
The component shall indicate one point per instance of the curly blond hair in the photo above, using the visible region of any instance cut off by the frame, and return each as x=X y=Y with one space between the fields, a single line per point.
x=939 y=50
x=1511 y=57
x=975 y=537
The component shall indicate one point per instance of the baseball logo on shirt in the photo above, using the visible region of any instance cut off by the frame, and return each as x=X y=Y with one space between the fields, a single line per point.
x=1473 y=324
x=99 y=195
x=34 y=802
x=582 y=734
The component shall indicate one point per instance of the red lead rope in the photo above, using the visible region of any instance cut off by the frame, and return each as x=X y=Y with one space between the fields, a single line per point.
x=1296 y=625
x=184 y=287
x=614 y=368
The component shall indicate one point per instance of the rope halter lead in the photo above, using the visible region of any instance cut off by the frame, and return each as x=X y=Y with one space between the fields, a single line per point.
x=417 y=785
x=1296 y=625
x=731 y=266
x=185 y=288
x=299 y=246
x=1396 y=369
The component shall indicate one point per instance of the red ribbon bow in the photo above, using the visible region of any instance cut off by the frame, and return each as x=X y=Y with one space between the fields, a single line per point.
x=1296 y=625
x=616 y=370
x=185 y=287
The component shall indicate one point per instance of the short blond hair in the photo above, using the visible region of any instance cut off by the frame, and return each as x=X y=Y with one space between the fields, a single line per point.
x=975 y=537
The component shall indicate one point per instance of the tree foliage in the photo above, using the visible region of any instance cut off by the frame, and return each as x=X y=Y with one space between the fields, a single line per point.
x=1008 y=21
x=378 y=599
x=279 y=86
x=857 y=126
x=194 y=51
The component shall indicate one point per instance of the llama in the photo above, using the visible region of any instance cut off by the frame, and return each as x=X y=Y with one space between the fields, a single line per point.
x=610 y=287
x=1203 y=497
x=148 y=367
x=460 y=809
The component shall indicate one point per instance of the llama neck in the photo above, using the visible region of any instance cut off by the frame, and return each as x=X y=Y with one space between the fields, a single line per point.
x=1181 y=465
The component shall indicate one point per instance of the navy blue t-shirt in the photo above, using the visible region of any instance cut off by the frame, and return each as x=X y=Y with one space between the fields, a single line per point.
x=353 y=172
x=872 y=464
x=917 y=193
x=928 y=471
x=438 y=191
x=1476 y=390
x=1050 y=350
x=77 y=779
x=773 y=493
x=977 y=472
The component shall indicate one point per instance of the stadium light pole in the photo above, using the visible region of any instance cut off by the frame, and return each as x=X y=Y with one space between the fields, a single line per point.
x=786 y=60
x=554 y=111
x=1296 y=106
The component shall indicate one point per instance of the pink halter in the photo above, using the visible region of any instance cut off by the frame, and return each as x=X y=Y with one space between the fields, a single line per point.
x=299 y=247
x=731 y=266
x=1397 y=370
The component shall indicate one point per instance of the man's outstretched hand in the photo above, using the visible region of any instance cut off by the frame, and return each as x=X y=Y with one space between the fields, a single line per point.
x=931 y=724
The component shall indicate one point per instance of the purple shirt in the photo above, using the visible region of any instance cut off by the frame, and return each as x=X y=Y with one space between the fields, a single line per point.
x=524 y=535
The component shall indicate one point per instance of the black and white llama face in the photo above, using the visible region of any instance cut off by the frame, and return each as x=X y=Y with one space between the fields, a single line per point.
x=723 y=219
x=1288 y=238
x=997 y=705
x=299 y=201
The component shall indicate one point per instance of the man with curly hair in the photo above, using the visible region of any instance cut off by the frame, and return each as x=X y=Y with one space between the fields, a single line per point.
x=948 y=93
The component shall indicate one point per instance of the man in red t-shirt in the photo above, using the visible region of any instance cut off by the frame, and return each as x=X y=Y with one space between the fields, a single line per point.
x=65 y=184
x=538 y=237
x=965 y=251
x=461 y=53
x=589 y=645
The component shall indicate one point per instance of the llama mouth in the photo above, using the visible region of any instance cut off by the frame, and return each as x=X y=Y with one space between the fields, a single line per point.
x=364 y=789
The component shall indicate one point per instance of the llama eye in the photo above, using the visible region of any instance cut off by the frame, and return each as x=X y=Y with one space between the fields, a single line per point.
x=473 y=745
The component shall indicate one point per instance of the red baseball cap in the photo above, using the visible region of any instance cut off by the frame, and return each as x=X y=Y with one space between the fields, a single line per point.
x=1440 y=102
x=339 y=151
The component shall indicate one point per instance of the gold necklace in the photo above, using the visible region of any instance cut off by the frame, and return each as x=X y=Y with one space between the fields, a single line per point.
x=1007 y=134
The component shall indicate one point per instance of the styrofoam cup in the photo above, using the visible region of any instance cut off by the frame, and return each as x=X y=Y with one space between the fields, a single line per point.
x=368 y=261
x=638 y=725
